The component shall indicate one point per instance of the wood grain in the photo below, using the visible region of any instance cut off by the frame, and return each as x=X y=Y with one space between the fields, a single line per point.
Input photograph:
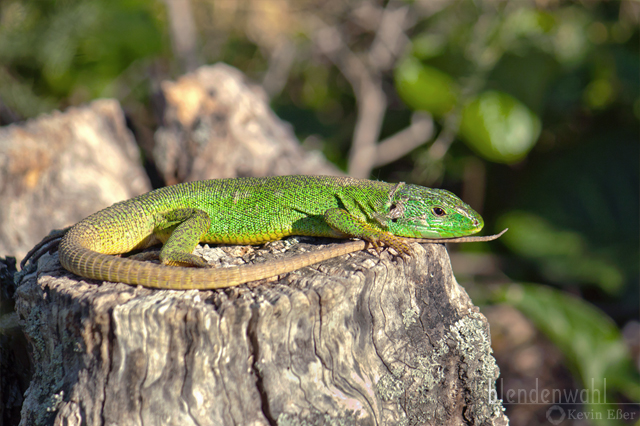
x=355 y=340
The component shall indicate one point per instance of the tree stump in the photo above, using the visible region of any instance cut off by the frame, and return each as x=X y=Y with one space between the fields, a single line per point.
x=362 y=339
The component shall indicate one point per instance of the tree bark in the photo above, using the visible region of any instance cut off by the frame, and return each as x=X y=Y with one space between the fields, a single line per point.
x=363 y=339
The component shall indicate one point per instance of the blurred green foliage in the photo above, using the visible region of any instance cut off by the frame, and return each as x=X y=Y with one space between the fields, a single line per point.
x=590 y=341
x=562 y=255
x=55 y=53
x=499 y=127
x=425 y=88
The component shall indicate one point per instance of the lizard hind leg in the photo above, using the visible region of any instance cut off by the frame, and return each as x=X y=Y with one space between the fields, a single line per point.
x=186 y=228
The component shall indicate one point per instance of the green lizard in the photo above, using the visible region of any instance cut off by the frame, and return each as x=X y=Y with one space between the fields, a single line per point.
x=253 y=211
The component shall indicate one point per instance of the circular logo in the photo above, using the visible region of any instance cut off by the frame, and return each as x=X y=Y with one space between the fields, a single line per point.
x=556 y=414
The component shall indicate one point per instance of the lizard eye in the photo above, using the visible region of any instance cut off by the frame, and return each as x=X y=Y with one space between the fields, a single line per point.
x=439 y=211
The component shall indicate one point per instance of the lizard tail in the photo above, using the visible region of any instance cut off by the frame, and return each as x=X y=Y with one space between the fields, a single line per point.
x=91 y=264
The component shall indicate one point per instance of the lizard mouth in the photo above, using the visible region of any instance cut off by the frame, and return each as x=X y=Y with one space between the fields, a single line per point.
x=478 y=224
x=476 y=221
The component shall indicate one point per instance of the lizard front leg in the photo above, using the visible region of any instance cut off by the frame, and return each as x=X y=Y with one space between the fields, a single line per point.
x=352 y=226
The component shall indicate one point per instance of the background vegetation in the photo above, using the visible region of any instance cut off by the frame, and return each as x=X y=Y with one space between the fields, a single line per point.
x=528 y=109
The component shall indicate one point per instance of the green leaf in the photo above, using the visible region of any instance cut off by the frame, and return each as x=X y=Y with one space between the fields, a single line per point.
x=588 y=338
x=499 y=127
x=425 y=88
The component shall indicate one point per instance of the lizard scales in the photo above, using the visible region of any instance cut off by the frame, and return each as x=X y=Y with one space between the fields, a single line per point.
x=253 y=211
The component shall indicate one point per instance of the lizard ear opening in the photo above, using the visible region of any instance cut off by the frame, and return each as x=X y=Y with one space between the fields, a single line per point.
x=395 y=210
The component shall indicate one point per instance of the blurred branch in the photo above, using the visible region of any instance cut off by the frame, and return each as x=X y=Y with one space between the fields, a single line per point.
x=280 y=63
x=372 y=106
x=405 y=141
x=183 y=33
x=371 y=100
x=431 y=167
x=441 y=145
x=390 y=39
x=366 y=80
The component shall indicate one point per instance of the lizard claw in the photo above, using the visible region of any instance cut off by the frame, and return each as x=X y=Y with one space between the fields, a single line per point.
x=377 y=246
x=398 y=244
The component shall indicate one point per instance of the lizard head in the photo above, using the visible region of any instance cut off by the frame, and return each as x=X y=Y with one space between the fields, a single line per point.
x=418 y=212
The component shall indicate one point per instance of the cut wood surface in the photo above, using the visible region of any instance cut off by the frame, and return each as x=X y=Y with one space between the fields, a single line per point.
x=356 y=340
